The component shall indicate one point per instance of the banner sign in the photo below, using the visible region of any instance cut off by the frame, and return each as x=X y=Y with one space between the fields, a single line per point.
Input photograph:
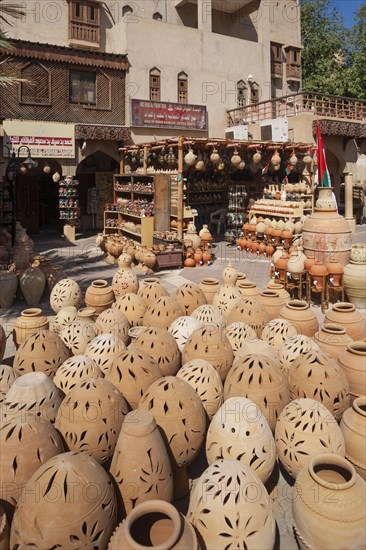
x=44 y=139
x=160 y=114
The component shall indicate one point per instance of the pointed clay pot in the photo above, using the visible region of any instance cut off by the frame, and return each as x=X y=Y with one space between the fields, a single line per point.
x=103 y=349
x=124 y=280
x=114 y=322
x=32 y=283
x=78 y=368
x=353 y=426
x=65 y=293
x=250 y=312
x=189 y=296
x=277 y=331
x=353 y=362
x=293 y=347
x=226 y=298
x=182 y=328
x=350 y=318
x=332 y=339
x=301 y=316
x=30 y=321
x=162 y=313
x=209 y=315
x=238 y=334
x=99 y=295
x=162 y=347
x=7 y=377
x=133 y=307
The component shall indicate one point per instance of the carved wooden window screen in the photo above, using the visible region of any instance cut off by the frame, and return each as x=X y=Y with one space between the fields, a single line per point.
x=83 y=87
x=241 y=93
x=37 y=88
x=182 y=88
x=155 y=85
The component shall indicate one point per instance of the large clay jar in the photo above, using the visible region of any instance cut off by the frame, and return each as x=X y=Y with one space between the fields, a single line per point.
x=238 y=334
x=32 y=283
x=277 y=331
x=32 y=394
x=163 y=528
x=251 y=312
x=332 y=339
x=209 y=315
x=133 y=372
x=74 y=370
x=103 y=349
x=30 y=322
x=90 y=418
x=140 y=464
x=293 y=347
x=26 y=444
x=353 y=362
x=211 y=344
x=113 y=321
x=182 y=328
x=133 y=307
x=349 y=317
x=77 y=334
x=7 y=377
x=304 y=428
x=295 y=264
x=181 y=417
x=301 y=316
x=161 y=314
x=353 y=426
x=248 y=289
x=150 y=290
x=328 y=505
x=209 y=287
x=354 y=281
x=8 y=288
x=99 y=295
x=205 y=380
x=272 y=303
x=162 y=347
x=44 y=351
x=318 y=376
x=280 y=289
x=233 y=512
x=260 y=379
x=124 y=280
x=244 y=436
x=228 y=294
x=189 y=296
x=89 y=509
x=65 y=293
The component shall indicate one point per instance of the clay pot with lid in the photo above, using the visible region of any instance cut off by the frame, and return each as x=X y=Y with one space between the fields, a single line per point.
x=353 y=426
x=332 y=339
x=30 y=321
x=353 y=362
x=228 y=294
x=300 y=315
x=322 y=520
x=349 y=317
x=99 y=295
x=124 y=280
x=162 y=347
x=209 y=287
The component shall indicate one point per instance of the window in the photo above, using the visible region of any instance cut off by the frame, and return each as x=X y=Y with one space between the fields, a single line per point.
x=78 y=10
x=83 y=87
x=84 y=21
x=276 y=59
x=182 y=88
x=154 y=84
x=91 y=13
x=293 y=63
x=36 y=89
x=157 y=16
x=241 y=93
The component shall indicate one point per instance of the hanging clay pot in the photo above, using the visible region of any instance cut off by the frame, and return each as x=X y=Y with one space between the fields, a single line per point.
x=353 y=362
x=8 y=288
x=190 y=158
x=133 y=307
x=162 y=347
x=99 y=295
x=275 y=159
x=78 y=368
x=301 y=316
x=321 y=521
x=353 y=426
x=349 y=317
x=277 y=331
x=30 y=321
x=85 y=520
x=113 y=321
x=250 y=312
x=304 y=428
x=189 y=296
x=209 y=315
x=103 y=349
x=65 y=293
x=7 y=377
x=209 y=287
x=77 y=334
x=150 y=290
x=161 y=314
x=215 y=157
x=181 y=329
x=140 y=464
x=235 y=159
x=124 y=280
x=271 y=302
x=32 y=283
x=332 y=339
x=237 y=334
x=257 y=157
x=354 y=283
x=293 y=347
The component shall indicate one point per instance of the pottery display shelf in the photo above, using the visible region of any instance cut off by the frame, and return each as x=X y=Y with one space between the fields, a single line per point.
x=275 y=208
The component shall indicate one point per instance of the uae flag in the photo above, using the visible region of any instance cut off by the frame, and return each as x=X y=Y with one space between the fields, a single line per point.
x=322 y=177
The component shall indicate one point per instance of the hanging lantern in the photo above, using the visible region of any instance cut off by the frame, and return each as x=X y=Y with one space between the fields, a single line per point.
x=307 y=159
x=56 y=177
x=276 y=159
x=47 y=168
x=293 y=159
x=190 y=158
x=236 y=159
x=257 y=157
x=215 y=157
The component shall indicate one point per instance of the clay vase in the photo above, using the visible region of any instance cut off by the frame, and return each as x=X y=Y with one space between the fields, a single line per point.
x=65 y=293
x=226 y=298
x=293 y=347
x=32 y=284
x=77 y=334
x=304 y=428
x=209 y=287
x=301 y=316
x=4 y=530
x=150 y=290
x=318 y=376
x=84 y=520
x=133 y=307
x=7 y=377
x=250 y=312
x=124 y=280
x=280 y=289
x=161 y=346
x=321 y=521
x=103 y=349
x=272 y=303
x=209 y=315
x=332 y=339
x=132 y=372
x=210 y=343
x=189 y=296
x=353 y=362
x=238 y=519
x=8 y=288
x=348 y=317
x=25 y=445
x=277 y=331
x=141 y=462
x=149 y=260
x=354 y=283
x=65 y=315
x=99 y=295
x=44 y=352
x=295 y=264
x=238 y=333
x=161 y=314
x=205 y=380
x=335 y=271
x=30 y=321
x=164 y=527
x=114 y=322
x=74 y=370
x=189 y=262
x=248 y=289
x=182 y=328
x=353 y=426
x=180 y=415
x=90 y=418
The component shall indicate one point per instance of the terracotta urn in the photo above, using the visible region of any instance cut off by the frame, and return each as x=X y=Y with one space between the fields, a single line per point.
x=7 y=377
x=277 y=331
x=318 y=273
x=238 y=333
x=149 y=260
x=164 y=527
x=209 y=315
x=209 y=287
x=30 y=321
x=77 y=334
x=248 y=289
x=113 y=321
x=103 y=349
x=350 y=318
x=90 y=418
x=65 y=293
x=189 y=262
x=74 y=370
x=32 y=283
x=354 y=283
x=226 y=513
x=162 y=347
x=335 y=271
x=301 y=316
x=296 y=263
x=198 y=257
x=304 y=428
x=251 y=312
x=272 y=303
x=353 y=426
x=332 y=339
x=124 y=280
x=353 y=362
x=293 y=347
x=181 y=329
x=189 y=296
x=99 y=295
x=321 y=521
x=150 y=290
x=85 y=520
x=161 y=314
x=8 y=288
x=281 y=268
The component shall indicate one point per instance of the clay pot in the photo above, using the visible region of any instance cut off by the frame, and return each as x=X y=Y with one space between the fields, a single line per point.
x=237 y=334
x=189 y=262
x=84 y=520
x=353 y=362
x=210 y=343
x=332 y=339
x=353 y=426
x=164 y=527
x=323 y=522
x=77 y=334
x=162 y=313
x=149 y=259
x=78 y=368
x=358 y=253
x=25 y=445
x=206 y=257
x=296 y=263
x=301 y=316
x=181 y=329
x=260 y=379
x=250 y=312
x=277 y=331
x=318 y=273
x=124 y=280
x=99 y=295
x=209 y=287
x=90 y=418
x=280 y=289
x=150 y=290
x=248 y=289
x=281 y=268
x=65 y=293
x=318 y=376
x=198 y=257
x=335 y=271
x=114 y=322
x=65 y=315
x=209 y=315
x=348 y=317
x=103 y=349
x=133 y=307
x=8 y=288
x=55 y=275
x=162 y=347
x=271 y=302
x=293 y=347
x=226 y=298
x=133 y=372
x=354 y=283
x=220 y=519
x=7 y=377
x=44 y=352
x=255 y=347
x=304 y=428
x=32 y=283
x=30 y=322
x=189 y=296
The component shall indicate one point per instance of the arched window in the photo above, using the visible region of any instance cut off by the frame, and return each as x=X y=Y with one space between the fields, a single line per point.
x=182 y=87
x=154 y=84
x=157 y=16
x=241 y=93
x=127 y=10
x=37 y=89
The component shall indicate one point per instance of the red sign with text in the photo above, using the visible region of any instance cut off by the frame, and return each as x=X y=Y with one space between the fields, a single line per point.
x=160 y=114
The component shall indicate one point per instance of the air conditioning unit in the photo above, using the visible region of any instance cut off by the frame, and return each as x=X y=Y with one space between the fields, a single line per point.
x=274 y=130
x=237 y=132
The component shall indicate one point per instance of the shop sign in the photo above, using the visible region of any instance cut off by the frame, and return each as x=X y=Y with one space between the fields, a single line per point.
x=160 y=114
x=44 y=139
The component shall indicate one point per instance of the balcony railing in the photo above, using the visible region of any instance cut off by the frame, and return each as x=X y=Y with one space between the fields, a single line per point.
x=328 y=106
x=84 y=32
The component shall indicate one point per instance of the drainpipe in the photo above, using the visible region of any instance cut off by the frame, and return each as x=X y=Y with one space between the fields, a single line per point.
x=348 y=201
